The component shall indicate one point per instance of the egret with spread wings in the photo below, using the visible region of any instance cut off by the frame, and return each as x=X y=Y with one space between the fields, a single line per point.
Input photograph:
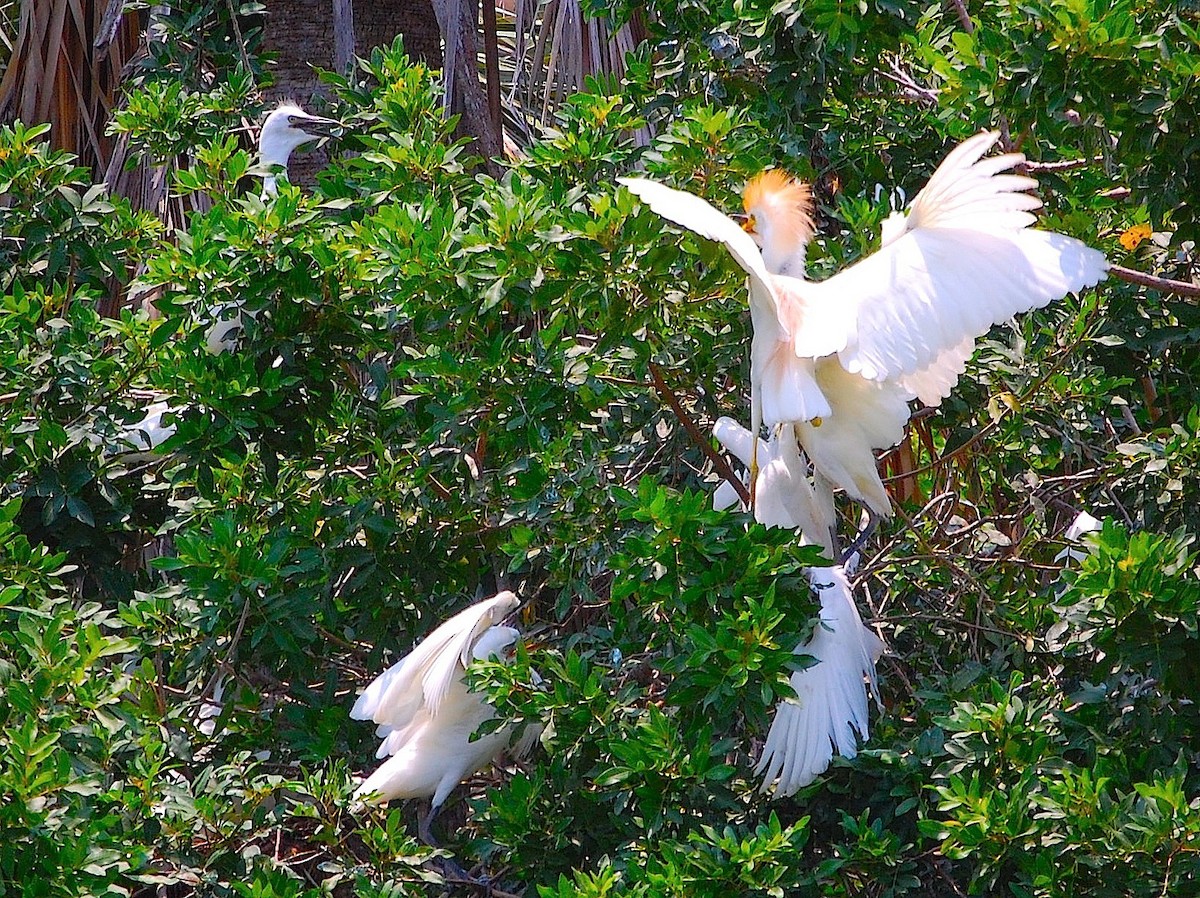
x=841 y=358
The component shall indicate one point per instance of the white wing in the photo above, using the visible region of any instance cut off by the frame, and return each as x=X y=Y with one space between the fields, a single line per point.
x=933 y=384
x=830 y=706
x=867 y=415
x=696 y=214
x=789 y=391
x=965 y=260
x=422 y=678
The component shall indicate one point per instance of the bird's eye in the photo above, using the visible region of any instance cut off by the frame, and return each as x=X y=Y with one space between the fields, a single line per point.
x=750 y=225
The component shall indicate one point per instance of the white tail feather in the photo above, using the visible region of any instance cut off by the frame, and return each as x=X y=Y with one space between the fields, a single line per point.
x=829 y=711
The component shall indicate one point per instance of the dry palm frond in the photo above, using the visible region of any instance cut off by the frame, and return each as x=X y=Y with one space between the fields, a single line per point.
x=65 y=68
x=147 y=185
x=10 y=13
x=552 y=47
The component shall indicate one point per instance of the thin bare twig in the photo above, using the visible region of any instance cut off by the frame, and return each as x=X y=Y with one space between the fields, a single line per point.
x=916 y=91
x=1062 y=164
x=718 y=461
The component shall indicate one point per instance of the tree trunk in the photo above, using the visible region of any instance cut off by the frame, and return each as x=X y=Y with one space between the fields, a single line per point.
x=459 y=20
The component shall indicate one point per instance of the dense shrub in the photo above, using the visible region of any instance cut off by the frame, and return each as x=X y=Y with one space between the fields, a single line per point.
x=452 y=384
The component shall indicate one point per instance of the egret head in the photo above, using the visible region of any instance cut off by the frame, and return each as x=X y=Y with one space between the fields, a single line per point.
x=497 y=642
x=779 y=216
x=287 y=128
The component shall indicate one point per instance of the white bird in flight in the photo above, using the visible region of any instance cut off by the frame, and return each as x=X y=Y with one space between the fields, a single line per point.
x=286 y=129
x=841 y=358
x=427 y=715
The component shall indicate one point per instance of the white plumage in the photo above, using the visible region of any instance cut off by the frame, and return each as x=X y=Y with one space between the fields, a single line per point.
x=152 y=430
x=835 y=363
x=829 y=711
x=786 y=496
x=426 y=715
x=831 y=701
x=287 y=128
x=898 y=324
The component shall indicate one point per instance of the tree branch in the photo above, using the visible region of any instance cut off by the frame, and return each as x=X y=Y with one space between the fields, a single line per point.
x=1062 y=164
x=964 y=17
x=1165 y=285
x=718 y=461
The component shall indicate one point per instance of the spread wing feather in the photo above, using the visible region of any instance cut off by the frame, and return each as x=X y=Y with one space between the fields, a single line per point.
x=421 y=679
x=965 y=260
x=696 y=214
x=829 y=712
x=789 y=391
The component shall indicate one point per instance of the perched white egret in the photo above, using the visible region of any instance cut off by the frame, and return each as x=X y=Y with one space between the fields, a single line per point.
x=140 y=441
x=1084 y=523
x=829 y=711
x=150 y=432
x=427 y=715
x=287 y=128
x=840 y=358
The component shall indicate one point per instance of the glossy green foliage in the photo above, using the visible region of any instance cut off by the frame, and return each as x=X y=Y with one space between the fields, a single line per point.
x=447 y=383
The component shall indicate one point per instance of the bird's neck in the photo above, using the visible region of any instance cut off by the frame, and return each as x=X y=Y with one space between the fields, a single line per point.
x=785 y=257
x=274 y=159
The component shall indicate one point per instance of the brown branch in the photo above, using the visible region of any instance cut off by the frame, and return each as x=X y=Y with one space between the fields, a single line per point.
x=718 y=461
x=964 y=17
x=1059 y=362
x=237 y=34
x=1166 y=285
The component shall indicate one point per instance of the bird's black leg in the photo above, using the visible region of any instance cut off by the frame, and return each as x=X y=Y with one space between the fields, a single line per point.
x=450 y=869
x=423 y=825
x=862 y=537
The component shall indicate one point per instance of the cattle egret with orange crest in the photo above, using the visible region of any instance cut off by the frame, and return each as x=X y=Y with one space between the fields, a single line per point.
x=841 y=358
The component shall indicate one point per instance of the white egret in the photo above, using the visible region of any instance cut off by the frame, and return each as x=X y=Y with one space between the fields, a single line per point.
x=840 y=358
x=136 y=441
x=830 y=706
x=831 y=700
x=286 y=129
x=427 y=715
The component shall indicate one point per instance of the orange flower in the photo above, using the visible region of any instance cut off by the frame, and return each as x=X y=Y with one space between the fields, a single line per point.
x=1135 y=235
